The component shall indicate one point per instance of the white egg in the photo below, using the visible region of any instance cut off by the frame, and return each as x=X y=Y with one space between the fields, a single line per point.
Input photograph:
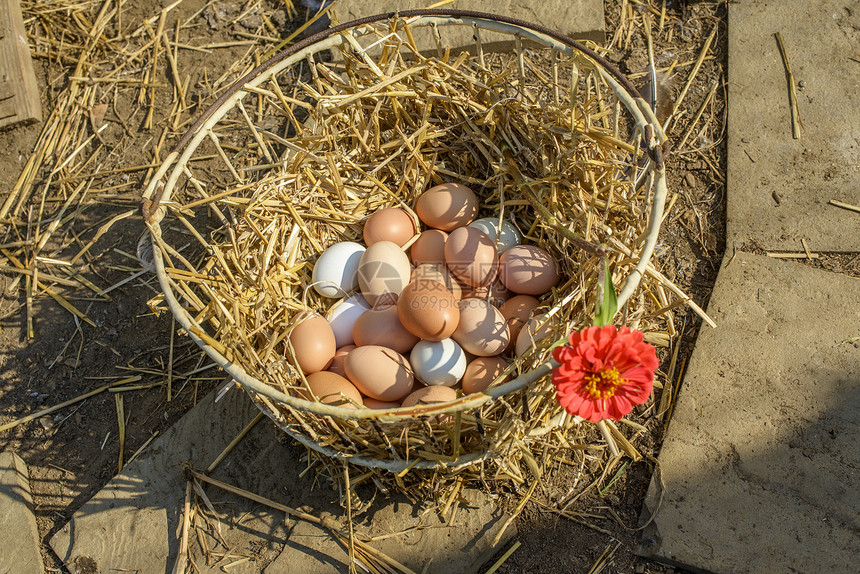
x=336 y=271
x=342 y=318
x=438 y=362
x=511 y=236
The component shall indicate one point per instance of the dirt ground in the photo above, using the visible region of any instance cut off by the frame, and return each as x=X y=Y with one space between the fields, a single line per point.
x=74 y=451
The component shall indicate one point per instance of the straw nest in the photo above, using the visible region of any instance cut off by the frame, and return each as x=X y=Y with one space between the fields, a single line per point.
x=303 y=151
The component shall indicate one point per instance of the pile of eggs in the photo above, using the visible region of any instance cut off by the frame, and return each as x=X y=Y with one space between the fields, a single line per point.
x=421 y=325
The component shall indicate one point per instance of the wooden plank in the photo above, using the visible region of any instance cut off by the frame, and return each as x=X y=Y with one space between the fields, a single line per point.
x=19 y=92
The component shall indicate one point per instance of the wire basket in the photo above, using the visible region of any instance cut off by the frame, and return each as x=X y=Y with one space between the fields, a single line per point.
x=299 y=151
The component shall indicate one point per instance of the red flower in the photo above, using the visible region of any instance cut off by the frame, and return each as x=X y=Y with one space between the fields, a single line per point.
x=604 y=372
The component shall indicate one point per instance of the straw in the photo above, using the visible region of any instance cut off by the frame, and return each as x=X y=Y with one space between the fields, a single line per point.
x=792 y=89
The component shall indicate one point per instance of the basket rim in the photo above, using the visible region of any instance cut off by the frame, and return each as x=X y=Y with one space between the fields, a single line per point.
x=153 y=193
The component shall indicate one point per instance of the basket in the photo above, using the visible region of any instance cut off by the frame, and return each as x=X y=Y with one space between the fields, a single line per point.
x=295 y=154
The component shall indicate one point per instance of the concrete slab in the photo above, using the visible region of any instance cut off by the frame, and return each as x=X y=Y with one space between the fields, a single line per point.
x=422 y=541
x=779 y=187
x=579 y=19
x=761 y=461
x=17 y=522
x=133 y=524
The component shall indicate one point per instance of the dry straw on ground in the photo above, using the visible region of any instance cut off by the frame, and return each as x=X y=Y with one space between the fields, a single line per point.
x=308 y=146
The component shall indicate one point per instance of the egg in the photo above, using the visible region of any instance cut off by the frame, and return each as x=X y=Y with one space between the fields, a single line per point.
x=510 y=236
x=332 y=388
x=429 y=247
x=428 y=310
x=438 y=362
x=482 y=330
x=430 y=395
x=374 y=404
x=381 y=326
x=343 y=315
x=337 y=364
x=313 y=343
x=532 y=333
x=389 y=224
x=528 y=270
x=336 y=270
x=516 y=311
x=481 y=372
x=447 y=206
x=471 y=256
x=383 y=272
x=439 y=273
x=496 y=293
x=380 y=373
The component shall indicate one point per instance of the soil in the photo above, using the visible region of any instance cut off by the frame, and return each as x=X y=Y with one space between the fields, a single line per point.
x=72 y=453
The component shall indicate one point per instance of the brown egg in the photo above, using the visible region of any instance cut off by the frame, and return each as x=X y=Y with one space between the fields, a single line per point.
x=337 y=364
x=481 y=372
x=439 y=273
x=383 y=271
x=389 y=224
x=313 y=343
x=428 y=310
x=496 y=293
x=482 y=330
x=447 y=206
x=517 y=310
x=429 y=247
x=528 y=270
x=532 y=334
x=374 y=404
x=332 y=388
x=380 y=373
x=380 y=326
x=429 y=395
x=471 y=256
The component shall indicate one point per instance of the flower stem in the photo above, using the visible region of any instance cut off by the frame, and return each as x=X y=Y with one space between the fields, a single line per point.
x=607 y=436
